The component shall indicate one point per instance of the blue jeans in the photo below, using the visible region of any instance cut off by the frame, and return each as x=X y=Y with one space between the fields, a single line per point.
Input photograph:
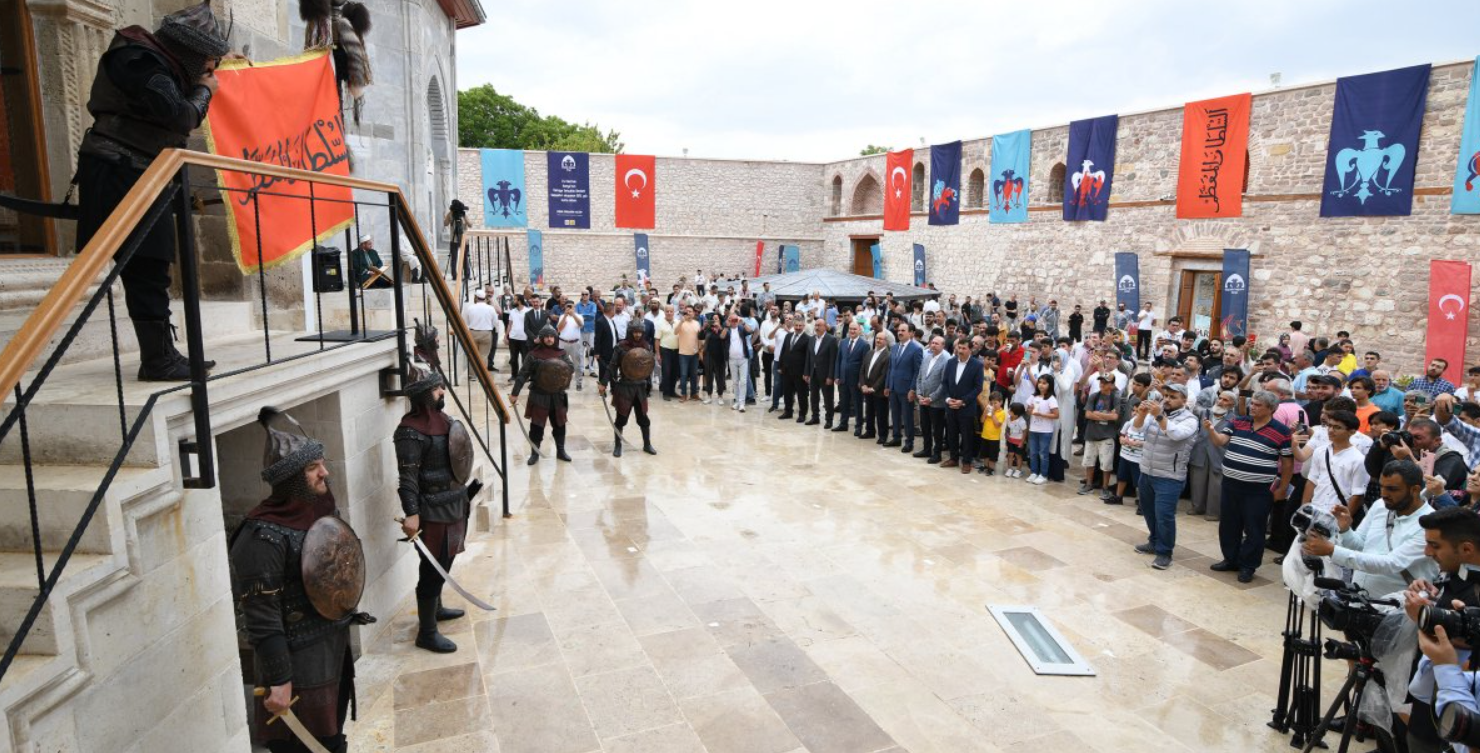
x=1039 y=443
x=688 y=375
x=1158 y=498
x=776 y=388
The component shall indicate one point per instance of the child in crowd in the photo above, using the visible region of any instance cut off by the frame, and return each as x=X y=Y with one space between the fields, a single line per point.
x=1128 y=471
x=1017 y=441
x=992 y=422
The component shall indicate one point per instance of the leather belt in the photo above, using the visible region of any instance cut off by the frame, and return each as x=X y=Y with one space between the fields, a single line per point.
x=570 y=341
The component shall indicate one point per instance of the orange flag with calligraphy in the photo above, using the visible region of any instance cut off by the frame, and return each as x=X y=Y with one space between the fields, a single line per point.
x=286 y=113
x=1215 y=143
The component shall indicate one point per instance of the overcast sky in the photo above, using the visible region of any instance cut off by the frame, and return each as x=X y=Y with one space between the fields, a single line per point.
x=817 y=80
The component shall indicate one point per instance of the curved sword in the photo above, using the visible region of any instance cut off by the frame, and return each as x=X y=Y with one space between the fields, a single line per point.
x=415 y=538
x=532 y=446
x=613 y=422
x=289 y=718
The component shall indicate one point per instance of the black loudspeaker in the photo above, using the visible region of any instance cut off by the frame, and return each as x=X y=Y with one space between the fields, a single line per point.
x=327 y=275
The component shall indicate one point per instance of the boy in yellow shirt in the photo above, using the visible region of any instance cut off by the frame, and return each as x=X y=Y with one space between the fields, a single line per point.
x=993 y=419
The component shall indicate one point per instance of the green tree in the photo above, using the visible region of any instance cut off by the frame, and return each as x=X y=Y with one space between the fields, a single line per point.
x=872 y=149
x=489 y=120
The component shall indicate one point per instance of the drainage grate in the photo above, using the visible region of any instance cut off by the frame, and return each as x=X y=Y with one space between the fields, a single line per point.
x=1044 y=648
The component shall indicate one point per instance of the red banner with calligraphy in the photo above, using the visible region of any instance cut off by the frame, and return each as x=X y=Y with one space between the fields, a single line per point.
x=897 y=187
x=286 y=113
x=1215 y=143
x=1449 y=316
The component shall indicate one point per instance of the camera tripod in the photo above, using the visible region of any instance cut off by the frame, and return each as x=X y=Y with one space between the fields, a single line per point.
x=1364 y=670
x=1297 y=708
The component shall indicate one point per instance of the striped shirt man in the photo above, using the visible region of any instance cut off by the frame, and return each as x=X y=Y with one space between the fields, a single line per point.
x=1253 y=455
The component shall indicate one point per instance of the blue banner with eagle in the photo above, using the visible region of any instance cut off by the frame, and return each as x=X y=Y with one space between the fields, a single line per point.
x=1091 y=168
x=1374 y=143
x=945 y=183
x=1466 y=198
x=503 y=188
x=1010 y=168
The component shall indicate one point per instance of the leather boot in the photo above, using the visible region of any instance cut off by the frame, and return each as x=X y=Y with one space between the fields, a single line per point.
x=447 y=613
x=617 y=445
x=158 y=360
x=175 y=352
x=647 y=440
x=534 y=454
x=427 y=636
x=560 y=451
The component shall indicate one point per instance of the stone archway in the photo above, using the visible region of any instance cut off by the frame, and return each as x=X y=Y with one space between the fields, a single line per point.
x=868 y=196
x=439 y=160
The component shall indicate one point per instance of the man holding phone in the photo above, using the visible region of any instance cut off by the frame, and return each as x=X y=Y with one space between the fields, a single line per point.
x=1256 y=474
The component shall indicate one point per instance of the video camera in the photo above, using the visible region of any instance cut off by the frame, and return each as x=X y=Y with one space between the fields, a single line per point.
x=1349 y=610
x=1391 y=439
x=1311 y=520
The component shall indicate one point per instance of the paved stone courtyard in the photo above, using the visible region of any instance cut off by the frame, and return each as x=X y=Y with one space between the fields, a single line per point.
x=762 y=587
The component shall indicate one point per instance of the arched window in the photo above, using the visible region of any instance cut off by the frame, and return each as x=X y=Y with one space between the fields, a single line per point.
x=439 y=159
x=837 y=195
x=917 y=193
x=976 y=189
x=1056 y=184
x=868 y=197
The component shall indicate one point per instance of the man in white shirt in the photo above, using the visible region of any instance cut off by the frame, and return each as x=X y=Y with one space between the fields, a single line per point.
x=768 y=331
x=1336 y=473
x=518 y=340
x=621 y=318
x=1145 y=328
x=568 y=330
x=480 y=318
x=1387 y=550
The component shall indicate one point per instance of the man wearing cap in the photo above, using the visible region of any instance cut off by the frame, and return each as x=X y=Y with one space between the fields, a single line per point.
x=1170 y=429
x=297 y=651
x=364 y=263
x=548 y=398
x=150 y=92
x=628 y=372
x=430 y=447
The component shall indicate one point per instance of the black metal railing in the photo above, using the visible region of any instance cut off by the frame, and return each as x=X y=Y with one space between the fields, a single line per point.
x=436 y=300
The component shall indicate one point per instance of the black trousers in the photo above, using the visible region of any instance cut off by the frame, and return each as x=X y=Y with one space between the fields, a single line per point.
x=101 y=185
x=933 y=429
x=516 y=351
x=794 y=389
x=1143 y=344
x=670 y=371
x=850 y=402
x=877 y=419
x=766 y=361
x=429 y=581
x=822 y=397
x=961 y=432
x=1241 y=522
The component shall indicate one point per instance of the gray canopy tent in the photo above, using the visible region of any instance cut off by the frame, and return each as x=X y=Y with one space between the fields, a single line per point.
x=837 y=286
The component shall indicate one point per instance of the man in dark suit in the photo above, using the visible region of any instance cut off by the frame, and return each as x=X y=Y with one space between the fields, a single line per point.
x=792 y=355
x=606 y=337
x=963 y=383
x=873 y=375
x=850 y=359
x=822 y=363
x=536 y=318
x=931 y=395
x=904 y=367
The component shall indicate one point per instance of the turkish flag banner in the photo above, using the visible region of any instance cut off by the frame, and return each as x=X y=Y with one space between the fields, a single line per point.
x=760 y=251
x=635 y=190
x=282 y=112
x=897 y=190
x=1449 y=315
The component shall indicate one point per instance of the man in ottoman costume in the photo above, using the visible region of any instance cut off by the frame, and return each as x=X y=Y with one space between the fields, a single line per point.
x=548 y=370
x=628 y=372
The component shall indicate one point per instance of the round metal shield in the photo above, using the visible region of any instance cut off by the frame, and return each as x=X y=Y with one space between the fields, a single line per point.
x=460 y=452
x=333 y=567
x=552 y=375
x=637 y=364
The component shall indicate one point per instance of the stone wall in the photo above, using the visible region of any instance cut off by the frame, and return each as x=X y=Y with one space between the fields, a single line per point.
x=710 y=213
x=1367 y=275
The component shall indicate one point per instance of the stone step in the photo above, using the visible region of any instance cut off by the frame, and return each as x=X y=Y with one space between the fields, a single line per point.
x=95 y=339
x=62 y=494
x=19 y=587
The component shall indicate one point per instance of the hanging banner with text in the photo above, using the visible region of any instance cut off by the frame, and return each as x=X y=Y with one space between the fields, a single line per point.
x=1128 y=280
x=1466 y=197
x=897 y=190
x=504 y=196
x=878 y=261
x=1010 y=167
x=791 y=259
x=636 y=191
x=640 y=241
x=536 y=258
x=1449 y=316
x=1215 y=141
x=1374 y=143
x=760 y=252
x=568 y=175
x=1235 y=313
x=919 y=266
x=283 y=113
x=945 y=183
x=1091 y=168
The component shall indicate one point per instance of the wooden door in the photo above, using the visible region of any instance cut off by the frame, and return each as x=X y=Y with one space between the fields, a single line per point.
x=1200 y=302
x=22 y=146
x=863 y=256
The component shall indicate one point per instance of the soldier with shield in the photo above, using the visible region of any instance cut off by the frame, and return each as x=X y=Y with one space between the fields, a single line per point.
x=297 y=571
x=548 y=370
x=434 y=460
x=628 y=372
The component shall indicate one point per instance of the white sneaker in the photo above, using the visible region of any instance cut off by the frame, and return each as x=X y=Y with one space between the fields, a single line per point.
x=1033 y=478
x=742 y=409
x=1010 y=473
x=733 y=406
x=706 y=401
x=1041 y=480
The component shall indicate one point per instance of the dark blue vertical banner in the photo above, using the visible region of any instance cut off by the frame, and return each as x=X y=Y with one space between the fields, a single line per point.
x=568 y=175
x=1235 y=313
x=1128 y=280
x=1374 y=143
x=536 y=258
x=878 y=261
x=945 y=183
x=1091 y=168
x=919 y=265
x=640 y=242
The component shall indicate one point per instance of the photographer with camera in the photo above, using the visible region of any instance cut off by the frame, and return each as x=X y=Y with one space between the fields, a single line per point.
x=1452 y=539
x=1386 y=551
x=1428 y=440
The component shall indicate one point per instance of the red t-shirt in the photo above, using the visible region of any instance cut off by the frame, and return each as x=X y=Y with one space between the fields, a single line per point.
x=1008 y=360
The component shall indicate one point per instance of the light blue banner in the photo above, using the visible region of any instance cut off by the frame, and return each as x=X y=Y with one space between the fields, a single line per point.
x=1010 y=169
x=878 y=261
x=536 y=258
x=503 y=188
x=791 y=258
x=1466 y=198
